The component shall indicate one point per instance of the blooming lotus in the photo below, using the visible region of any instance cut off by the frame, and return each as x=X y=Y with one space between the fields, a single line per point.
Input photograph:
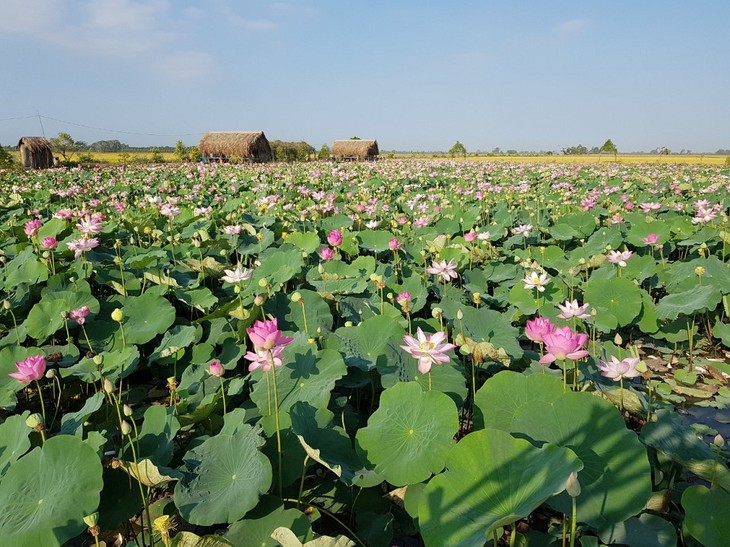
x=394 y=244
x=428 y=349
x=334 y=238
x=79 y=314
x=617 y=370
x=238 y=275
x=265 y=335
x=49 y=243
x=30 y=369
x=536 y=329
x=571 y=309
x=620 y=258
x=232 y=230
x=445 y=271
x=562 y=343
x=522 y=229
x=264 y=359
x=651 y=239
x=326 y=253
x=535 y=280
x=82 y=245
x=32 y=227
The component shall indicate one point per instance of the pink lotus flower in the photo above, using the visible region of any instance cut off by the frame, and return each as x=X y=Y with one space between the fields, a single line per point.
x=216 y=369
x=445 y=271
x=428 y=349
x=620 y=258
x=334 y=238
x=618 y=370
x=30 y=369
x=651 y=239
x=89 y=226
x=522 y=229
x=394 y=244
x=326 y=253
x=265 y=335
x=232 y=230
x=536 y=329
x=571 y=309
x=32 y=226
x=264 y=359
x=79 y=314
x=470 y=236
x=562 y=343
x=403 y=298
x=82 y=245
x=49 y=243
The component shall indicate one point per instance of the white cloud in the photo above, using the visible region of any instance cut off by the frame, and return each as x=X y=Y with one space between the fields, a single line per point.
x=572 y=25
x=190 y=65
x=30 y=16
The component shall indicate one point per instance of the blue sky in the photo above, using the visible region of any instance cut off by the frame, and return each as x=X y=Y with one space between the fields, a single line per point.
x=415 y=75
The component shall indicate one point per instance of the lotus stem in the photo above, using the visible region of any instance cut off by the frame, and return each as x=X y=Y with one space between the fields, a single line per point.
x=278 y=425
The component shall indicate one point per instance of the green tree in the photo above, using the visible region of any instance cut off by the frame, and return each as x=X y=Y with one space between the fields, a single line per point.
x=324 y=152
x=609 y=148
x=194 y=154
x=6 y=160
x=65 y=145
x=181 y=152
x=157 y=157
x=459 y=149
x=575 y=150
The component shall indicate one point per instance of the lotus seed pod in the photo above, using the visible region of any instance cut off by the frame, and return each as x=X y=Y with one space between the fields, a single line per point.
x=348 y=323
x=51 y=373
x=118 y=315
x=437 y=312
x=92 y=519
x=98 y=360
x=263 y=283
x=34 y=420
x=296 y=297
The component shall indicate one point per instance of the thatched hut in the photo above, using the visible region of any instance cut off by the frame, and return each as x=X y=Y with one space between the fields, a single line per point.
x=236 y=146
x=355 y=149
x=35 y=153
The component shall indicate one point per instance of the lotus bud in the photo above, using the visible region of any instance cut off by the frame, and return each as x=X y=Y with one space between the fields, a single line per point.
x=127 y=410
x=45 y=254
x=51 y=373
x=618 y=340
x=126 y=428
x=118 y=315
x=236 y=289
x=92 y=519
x=573 y=486
x=348 y=323
x=6 y=304
x=718 y=441
x=108 y=386
x=296 y=297
x=477 y=298
x=311 y=341
x=460 y=315
x=35 y=421
x=259 y=300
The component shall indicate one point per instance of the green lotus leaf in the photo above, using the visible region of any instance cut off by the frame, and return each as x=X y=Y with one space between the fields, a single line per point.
x=603 y=238
x=201 y=299
x=175 y=339
x=291 y=315
x=722 y=331
x=615 y=481
x=51 y=228
x=24 y=268
x=72 y=422
x=524 y=299
x=646 y=529
x=617 y=300
x=278 y=265
x=364 y=346
x=492 y=479
x=640 y=230
x=307 y=375
x=306 y=241
x=680 y=276
x=409 y=436
x=640 y=267
x=190 y=539
x=47 y=316
x=485 y=325
x=338 y=277
x=14 y=441
x=146 y=316
x=157 y=434
x=706 y=513
x=375 y=240
x=697 y=299
x=116 y=364
x=583 y=223
x=224 y=477
x=46 y=494
x=259 y=523
x=564 y=232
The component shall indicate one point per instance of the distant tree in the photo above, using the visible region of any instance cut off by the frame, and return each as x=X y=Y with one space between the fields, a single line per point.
x=324 y=152
x=663 y=151
x=459 y=149
x=355 y=138
x=575 y=150
x=181 y=152
x=6 y=160
x=194 y=154
x=107 y=146
x=156 y=156
x=609 y=148
x=65 y=145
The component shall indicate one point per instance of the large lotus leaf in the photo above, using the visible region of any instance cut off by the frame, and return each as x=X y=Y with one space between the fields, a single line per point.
x=617 y=300
x=722 y=331
x=414 y=286
x=680 y=276
x=616 y=479
x=706 y=512
x=278 y=265
x=306 y=241
x=492 y=479
x=14 y=441
x=672 y=435
x=648 y=322
x=689 y=302
x=640 y=230
x=324 y=442
x=201 y=299
x=72 y=422
x=224 y=478
x=640 y=267
x=291 y=314
x=400 y=366
x=602 y=239
x=51 y=228
x=24 y=268
x=145 y=317
x=46 y=494
x=190 y=539
x=375 y=240
x=157 y=434
x=175 y=339
x=408 y=437
x=485 y=325
x=259 y=523
x=551 y=256
x=364 y=345
x=525 y=300
x=583 y=223
x=47 y=316
x=646 y=530
x=307 y=375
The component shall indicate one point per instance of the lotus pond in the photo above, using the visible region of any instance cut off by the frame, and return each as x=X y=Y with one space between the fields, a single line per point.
x=394 y=353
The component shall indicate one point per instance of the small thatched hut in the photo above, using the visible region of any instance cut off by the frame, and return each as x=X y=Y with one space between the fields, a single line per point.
x=355 y=149
x=236 y=146
x=35 y=153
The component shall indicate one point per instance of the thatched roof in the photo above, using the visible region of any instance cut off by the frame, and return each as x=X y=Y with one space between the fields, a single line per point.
x=355 y=148
x=35 y=152
x=236 y=144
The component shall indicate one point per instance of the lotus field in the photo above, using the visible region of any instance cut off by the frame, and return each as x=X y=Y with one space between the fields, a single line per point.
x=393 y=353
